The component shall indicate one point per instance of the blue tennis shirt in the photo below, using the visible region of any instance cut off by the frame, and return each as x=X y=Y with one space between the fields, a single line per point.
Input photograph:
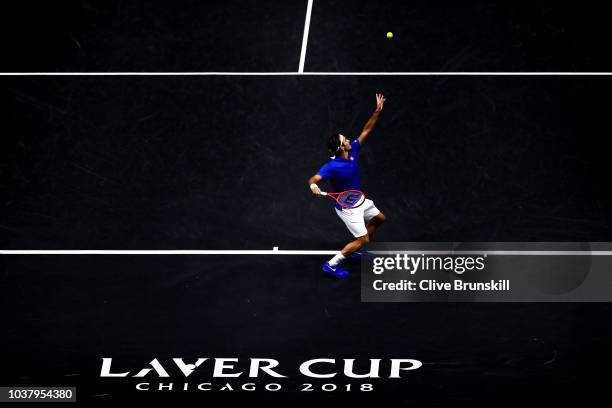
x=343 y=174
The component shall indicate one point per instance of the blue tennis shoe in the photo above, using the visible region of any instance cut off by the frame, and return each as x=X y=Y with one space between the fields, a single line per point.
x=335 y=271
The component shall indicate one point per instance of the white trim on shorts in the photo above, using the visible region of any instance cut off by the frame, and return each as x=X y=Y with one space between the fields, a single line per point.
x=355 y=219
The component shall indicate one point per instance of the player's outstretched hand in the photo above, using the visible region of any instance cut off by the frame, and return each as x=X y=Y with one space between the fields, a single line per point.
x=316 y=191
x=380 y=100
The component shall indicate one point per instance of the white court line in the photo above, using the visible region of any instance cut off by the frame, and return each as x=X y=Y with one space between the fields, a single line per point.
x=305 y=39
x=306 y=73
x=279 y=252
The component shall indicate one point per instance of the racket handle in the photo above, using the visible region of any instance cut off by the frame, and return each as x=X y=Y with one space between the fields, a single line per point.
x=323 y=193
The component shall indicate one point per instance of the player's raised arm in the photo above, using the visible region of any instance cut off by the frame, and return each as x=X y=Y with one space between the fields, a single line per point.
x=380 y=100
x=312 y=182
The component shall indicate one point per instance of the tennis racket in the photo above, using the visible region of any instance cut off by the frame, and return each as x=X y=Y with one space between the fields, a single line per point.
x=348 y=198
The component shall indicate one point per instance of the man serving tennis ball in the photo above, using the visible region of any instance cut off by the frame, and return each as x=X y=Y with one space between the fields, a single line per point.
x=342 y=171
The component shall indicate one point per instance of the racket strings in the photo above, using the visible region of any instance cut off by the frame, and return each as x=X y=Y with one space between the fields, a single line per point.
x=351 y=199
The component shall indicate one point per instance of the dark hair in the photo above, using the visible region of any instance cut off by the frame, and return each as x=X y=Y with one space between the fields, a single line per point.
x=333 y=143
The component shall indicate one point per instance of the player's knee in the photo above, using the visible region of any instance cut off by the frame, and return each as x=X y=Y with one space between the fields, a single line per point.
x=364 y=240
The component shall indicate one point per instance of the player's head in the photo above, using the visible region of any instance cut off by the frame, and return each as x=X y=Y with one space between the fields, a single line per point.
x=338 y=143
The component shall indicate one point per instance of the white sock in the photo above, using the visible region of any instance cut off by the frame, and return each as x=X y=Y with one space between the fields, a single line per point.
x=337 y=259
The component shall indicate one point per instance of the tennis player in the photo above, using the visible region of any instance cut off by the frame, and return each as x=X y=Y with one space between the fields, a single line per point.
x=342 y=171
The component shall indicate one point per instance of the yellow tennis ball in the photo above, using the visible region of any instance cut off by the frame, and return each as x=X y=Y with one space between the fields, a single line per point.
x=389 y=34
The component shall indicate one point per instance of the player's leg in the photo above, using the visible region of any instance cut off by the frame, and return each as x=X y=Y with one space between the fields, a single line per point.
x=374 y=223
x=374 y=219
x=355 y=245
x=354 y=221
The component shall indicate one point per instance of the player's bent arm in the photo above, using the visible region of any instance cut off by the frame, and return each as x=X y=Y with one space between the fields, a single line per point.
x=312 y=182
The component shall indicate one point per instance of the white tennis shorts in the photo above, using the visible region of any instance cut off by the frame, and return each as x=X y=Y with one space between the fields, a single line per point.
x=356 y=218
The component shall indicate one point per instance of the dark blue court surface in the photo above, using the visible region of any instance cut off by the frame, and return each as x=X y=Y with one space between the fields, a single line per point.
x=506 y=36
x=64 y=313
x=181 y=35
x=264 y=35
x=221 y=162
